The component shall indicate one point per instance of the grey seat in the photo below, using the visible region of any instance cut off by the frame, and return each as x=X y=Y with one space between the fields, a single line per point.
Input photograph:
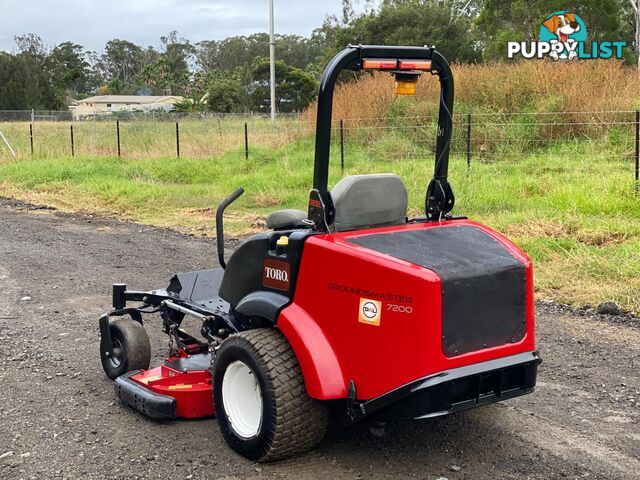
x=286 y=219
x=365 y=201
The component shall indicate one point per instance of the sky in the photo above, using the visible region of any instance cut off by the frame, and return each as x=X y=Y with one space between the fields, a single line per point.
x=93 y=23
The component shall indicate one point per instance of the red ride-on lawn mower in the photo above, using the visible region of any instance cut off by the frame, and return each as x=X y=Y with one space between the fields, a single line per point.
x=350 y=305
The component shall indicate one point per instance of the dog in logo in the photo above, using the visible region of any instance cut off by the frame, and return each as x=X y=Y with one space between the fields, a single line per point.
x=563 y=26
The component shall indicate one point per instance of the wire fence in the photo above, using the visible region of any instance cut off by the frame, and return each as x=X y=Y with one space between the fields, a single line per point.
x=130 y=115
x=477 y=137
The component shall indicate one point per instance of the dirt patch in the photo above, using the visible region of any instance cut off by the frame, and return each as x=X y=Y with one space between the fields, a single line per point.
x=538 y=228
x=267 y=200
x=601 y=239
x=556 y=230
x=241 y=224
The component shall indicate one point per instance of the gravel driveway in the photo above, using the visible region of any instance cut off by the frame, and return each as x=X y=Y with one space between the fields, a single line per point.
x=58 y=417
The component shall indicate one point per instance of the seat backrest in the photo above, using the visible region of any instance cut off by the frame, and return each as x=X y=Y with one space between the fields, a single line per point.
x=364 y=201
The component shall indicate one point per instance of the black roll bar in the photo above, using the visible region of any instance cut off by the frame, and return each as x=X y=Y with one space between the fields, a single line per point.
x=440 y=198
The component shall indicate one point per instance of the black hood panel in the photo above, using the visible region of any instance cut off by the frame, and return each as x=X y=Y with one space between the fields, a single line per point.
x=483 y=285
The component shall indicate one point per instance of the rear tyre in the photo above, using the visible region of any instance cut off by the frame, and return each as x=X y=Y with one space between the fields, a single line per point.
x=131 y=348
x=261 y=402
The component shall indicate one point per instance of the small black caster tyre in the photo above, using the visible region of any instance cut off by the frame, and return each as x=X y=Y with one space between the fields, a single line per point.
x=260 y=398
x=131 y=348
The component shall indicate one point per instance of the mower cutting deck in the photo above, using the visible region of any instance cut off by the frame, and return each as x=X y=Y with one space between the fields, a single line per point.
x=350 y=305
x=171 y=390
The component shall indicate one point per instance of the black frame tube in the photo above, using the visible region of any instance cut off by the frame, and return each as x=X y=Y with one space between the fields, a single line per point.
x=118 y=299
x=351 y=58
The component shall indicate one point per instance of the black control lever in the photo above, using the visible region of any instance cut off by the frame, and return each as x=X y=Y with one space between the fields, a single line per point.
x=220 y=226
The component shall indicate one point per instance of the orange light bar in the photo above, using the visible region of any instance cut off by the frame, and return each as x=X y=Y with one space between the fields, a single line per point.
x=379 y=64
x=424 y=65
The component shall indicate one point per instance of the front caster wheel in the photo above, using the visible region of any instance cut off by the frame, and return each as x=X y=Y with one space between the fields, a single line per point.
x=261 y=402
x=131 y=348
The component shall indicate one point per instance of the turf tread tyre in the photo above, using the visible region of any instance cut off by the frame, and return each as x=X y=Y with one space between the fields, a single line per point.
x=136 y=346
x=292 y=422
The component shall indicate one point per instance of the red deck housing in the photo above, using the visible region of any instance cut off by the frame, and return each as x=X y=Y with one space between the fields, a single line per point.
x=191 y=389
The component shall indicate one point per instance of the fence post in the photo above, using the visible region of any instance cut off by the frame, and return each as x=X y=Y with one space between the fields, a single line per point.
x=637 y=148
x=178 y=139
x=246 y=141
x=31 y=137
x=118 y=137
x=468 y=142
x=342 y=147
x=73 y=145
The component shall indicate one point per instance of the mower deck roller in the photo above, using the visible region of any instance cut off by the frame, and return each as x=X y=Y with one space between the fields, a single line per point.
x=350 y=307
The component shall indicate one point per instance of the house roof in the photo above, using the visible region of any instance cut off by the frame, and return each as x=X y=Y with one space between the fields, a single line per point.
x=132 y=99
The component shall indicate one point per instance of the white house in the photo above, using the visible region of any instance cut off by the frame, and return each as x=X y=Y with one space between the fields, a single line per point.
x=108 y=104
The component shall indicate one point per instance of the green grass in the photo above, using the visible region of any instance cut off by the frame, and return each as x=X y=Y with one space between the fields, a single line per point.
x=572 y=208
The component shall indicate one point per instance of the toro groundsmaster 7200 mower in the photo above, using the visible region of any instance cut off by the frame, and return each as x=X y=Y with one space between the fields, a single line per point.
x=350 y=306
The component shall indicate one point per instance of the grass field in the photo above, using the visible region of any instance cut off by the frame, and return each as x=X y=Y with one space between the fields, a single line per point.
x=572 y=208
x=139 y=139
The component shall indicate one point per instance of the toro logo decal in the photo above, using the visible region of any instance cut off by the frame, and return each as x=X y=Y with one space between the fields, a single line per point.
x=370 y=312
x=276 y=274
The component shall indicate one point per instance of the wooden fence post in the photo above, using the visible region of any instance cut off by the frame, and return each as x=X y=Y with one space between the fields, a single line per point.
x=637 y=149
x=178 y=139
x=73 y=146
x=342 y=147
x=246 y=141
x=468 y=143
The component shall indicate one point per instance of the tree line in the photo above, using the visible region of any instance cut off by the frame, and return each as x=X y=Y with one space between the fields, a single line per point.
x=232 y=75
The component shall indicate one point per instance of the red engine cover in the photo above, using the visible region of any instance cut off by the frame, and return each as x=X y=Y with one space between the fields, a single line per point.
x=364 y=316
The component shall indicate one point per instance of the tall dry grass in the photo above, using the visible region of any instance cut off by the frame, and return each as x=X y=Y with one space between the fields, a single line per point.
x=544 y=86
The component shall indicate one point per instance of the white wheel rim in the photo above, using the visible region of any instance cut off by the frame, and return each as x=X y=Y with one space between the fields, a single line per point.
x=242 y=399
